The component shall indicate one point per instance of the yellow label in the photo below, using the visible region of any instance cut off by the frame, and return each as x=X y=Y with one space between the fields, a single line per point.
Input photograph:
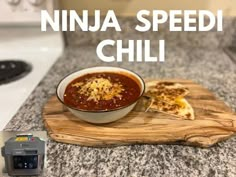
x=21 y=139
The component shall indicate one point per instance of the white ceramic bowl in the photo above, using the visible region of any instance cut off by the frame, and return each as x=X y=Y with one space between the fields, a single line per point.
x=101 y=116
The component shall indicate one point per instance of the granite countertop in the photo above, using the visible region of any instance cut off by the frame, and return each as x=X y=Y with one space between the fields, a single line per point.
x=211 y=67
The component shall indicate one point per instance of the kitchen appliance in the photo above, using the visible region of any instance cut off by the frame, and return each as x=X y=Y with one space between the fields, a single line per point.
x=24 y=155
x=26 y=53
x=11 y=70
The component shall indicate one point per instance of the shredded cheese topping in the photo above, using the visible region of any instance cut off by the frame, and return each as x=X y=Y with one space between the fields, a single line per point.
x=99 y=89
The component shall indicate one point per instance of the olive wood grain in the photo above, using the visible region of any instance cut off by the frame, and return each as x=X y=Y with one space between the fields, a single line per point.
x=214 y=122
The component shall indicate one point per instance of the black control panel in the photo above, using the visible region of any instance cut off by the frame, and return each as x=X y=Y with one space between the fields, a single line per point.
x=25 y=162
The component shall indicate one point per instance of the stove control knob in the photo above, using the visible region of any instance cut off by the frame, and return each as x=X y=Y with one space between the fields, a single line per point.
x=36 y=2
x=13 y=2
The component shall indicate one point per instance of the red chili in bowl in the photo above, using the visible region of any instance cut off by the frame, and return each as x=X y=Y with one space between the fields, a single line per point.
x=102 y=91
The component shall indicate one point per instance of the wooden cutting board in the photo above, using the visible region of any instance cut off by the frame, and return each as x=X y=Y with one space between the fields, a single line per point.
x=214 y=122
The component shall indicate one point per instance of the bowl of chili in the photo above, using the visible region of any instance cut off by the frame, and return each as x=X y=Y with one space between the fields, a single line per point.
x=100 y=94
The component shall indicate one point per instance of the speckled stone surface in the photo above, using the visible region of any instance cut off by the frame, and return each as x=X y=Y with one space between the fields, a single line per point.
x=211 y=67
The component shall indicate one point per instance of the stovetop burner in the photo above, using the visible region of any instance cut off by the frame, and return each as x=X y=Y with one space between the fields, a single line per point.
x=11 y=70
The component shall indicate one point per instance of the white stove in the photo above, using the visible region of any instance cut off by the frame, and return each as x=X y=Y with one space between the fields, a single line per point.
x=24 y=41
